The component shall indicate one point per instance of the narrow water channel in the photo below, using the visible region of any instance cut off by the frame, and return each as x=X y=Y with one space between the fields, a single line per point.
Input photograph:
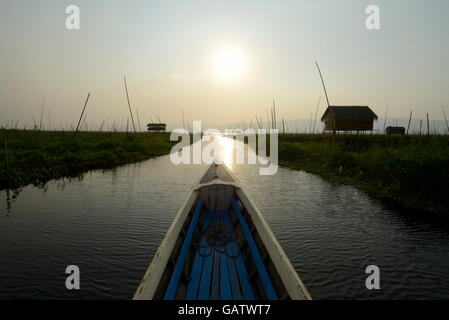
x=110 y=224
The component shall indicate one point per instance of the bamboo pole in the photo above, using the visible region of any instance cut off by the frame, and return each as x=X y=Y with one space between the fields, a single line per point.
x=82 y=113
x=129 y=105
x=83 y=122
x=445 y=119
x=101 y=126
x=42 y=114
x=268 y=120
x=34 y=122
x=138 y=120
x=322 y=81
x=409 y=120
x=258 y=123
x=183 y=122
x=385 y=119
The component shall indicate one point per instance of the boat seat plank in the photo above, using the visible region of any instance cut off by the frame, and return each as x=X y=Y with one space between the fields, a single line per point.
x=239 y=265
x=234 y=280
x=263 y=274
x=215 y=288
x=225 y=285
x=206 y=274
x=197 y=268
x=204 y=290
x=176 y=276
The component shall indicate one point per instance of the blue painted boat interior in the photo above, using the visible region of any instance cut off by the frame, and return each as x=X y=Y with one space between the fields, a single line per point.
x=218 y=271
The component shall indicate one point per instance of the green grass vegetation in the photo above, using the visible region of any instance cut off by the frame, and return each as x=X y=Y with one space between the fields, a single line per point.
x=34 y=157
x=410 y=171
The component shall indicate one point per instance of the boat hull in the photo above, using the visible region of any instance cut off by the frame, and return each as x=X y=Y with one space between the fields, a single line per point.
x=219 y=247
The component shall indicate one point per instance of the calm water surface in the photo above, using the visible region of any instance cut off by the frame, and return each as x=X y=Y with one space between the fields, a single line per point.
x=110 y=224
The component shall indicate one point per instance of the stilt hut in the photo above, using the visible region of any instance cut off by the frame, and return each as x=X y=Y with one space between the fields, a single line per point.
x=348 y=118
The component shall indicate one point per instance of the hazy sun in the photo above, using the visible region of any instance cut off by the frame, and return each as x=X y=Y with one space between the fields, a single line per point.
x=229 y=63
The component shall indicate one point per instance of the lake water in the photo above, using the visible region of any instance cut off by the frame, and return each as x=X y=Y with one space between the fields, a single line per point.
x=110 y=224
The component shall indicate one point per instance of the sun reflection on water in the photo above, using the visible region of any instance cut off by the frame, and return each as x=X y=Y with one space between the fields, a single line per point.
x=225 y=151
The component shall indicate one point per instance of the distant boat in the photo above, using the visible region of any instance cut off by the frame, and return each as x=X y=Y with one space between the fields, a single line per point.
x=157 y=127
x=219 y=247
x=395 y=130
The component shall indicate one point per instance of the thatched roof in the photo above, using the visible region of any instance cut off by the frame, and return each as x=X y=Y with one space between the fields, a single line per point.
x=349 y=113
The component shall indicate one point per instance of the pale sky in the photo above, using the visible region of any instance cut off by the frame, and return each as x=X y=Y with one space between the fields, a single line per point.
x=168 y=52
